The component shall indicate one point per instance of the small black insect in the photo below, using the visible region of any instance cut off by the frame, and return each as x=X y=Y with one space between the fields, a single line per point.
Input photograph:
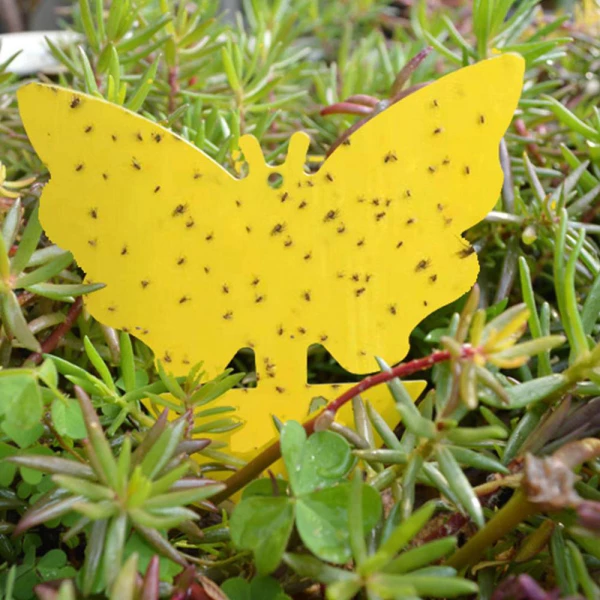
x=422 y=265
x=75 y=102
x=79 y=167
x=465 y=252
x=390 y=157
x=278 y=228
x=179 y=210
x=330 y=216
x=94 y=213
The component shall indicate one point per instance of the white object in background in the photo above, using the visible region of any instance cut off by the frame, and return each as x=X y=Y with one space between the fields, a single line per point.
x=35 y=55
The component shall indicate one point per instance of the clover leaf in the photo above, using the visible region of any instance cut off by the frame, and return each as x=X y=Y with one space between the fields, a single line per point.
x=318 y=502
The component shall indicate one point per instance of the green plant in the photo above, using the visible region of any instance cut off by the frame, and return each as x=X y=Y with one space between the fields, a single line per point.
x=144 y=490
x=492 y=480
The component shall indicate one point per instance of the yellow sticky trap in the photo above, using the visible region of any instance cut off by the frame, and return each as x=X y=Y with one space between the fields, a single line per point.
x=198 y=263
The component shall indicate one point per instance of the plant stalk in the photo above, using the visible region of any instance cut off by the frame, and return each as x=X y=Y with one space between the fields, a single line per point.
x=514 y=512
x=273 y=451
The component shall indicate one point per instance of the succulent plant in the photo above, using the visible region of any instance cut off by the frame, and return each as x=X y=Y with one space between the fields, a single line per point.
x=143 y=489
x=502 y=399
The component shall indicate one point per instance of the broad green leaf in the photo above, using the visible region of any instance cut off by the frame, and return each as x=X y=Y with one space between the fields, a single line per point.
x=263 y=525
x=265 y=487
x=67 y=418
x=22 y=437
x=325 y=460
x=322 y=520
x=26 y=410
x=293 y=438
x=260 y=588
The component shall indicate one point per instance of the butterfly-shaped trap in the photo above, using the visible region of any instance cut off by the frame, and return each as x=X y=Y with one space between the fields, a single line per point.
x=199 y=264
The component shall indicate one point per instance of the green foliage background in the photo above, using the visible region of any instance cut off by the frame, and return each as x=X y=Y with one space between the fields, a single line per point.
x=475 y=493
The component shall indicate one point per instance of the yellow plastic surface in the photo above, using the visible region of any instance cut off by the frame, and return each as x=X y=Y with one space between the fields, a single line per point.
x=199 y=264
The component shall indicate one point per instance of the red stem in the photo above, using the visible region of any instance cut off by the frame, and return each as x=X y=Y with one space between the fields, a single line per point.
x=273 y=452
x=363 y=99
x=532 y=148
x=346 y=108
x=52 y=341
x=173 y=89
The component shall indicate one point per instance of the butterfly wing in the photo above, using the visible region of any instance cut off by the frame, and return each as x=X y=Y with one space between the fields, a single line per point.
x=394 y=201
x=139 y=208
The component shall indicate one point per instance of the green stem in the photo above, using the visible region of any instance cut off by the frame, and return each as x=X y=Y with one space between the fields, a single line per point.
x=514 y=512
